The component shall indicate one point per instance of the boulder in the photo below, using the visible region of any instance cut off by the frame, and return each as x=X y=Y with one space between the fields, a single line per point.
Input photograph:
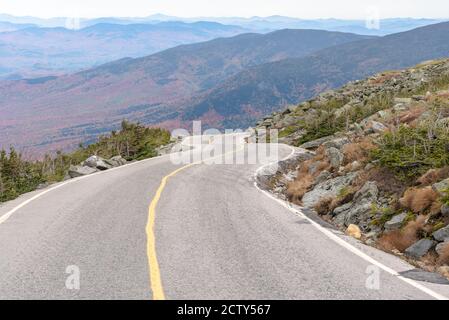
x=441 y=246
x=401 y=107
x=342 y=209
x=316 y=143
x=378 y=127
x=442 y=234
x=97 y=162
x=420 y=248
x=336 y=143
x=396 y=222
x=354 y=231
x=403 y=100
x=360 y=209
x=79 y=171
x=335 y=157
x=441 y=186
x=445 y=210
x=117 y=161
x=323 y=176
x=326 y=189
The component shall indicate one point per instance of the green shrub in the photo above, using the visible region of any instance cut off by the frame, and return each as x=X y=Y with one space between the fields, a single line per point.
x=133 y=142
x=410 y=152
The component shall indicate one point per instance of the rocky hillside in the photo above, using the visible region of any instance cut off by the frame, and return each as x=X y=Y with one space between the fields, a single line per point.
x=379 y=161
x=272 y=86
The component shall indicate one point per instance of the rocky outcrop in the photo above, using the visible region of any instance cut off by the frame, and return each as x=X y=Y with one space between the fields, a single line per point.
x=327 y=189
x=359 y=210
x=420 y=248
x=442 y=234
x=365 y=191
x=79 y=171
x=275 y=177
x=396 y=222
x=95 y=164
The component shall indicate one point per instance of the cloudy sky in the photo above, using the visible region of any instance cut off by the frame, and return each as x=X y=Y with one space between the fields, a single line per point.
x=244 y=8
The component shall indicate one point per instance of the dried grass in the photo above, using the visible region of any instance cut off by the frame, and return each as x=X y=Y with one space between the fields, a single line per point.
x=411 y=115
x=433 y=176
x=402 y=239
x=443 y=259
x=298 y=188
x=358 y=151
x=419 y=200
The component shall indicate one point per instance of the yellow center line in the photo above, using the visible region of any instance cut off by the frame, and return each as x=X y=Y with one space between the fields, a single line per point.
x=153 y=264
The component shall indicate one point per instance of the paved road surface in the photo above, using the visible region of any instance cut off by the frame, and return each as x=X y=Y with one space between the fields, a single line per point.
x=215 y=236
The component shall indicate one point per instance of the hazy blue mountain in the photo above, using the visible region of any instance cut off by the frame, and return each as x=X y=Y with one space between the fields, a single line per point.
x=256 y=24
x=49 y=113
x=272 y=86
x=38 y=52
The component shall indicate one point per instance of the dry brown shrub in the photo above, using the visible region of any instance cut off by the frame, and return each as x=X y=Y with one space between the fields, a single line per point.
x=433 y=176
x=411 y=115
x=298 y=188
x=402 y=239
x=419 y=200
x=357 y=151
x=385 y=179
x=443 y=259
x=323 y=207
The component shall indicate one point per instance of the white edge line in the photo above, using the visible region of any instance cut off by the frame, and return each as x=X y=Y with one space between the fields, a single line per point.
x=7 y=215
x=341 y=241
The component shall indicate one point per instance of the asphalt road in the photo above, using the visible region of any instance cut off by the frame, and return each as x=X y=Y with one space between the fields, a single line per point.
x=206 y=233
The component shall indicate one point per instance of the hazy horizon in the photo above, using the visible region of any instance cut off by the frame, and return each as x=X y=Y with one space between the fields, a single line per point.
x=321 y=9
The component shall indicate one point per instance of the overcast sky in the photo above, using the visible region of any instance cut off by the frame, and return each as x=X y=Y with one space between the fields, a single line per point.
x=243 y=8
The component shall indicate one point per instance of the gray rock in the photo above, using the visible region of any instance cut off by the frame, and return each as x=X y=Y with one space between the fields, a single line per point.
x=323 y=176
x=369 y=192
x=441 y=186
x=344 y=208
x=420 y=248
x=316 y=143
x=445 y=210
x=313 y=167
x=337 y=143
x=396 y=222
x=378 y=127
x=117 y=161
x=97 y=163
x=335 y=157
x=328 y=188
x=439 y=248
x=400 y=107
x=403 y=100
x=442 y=234
x=359 y=212
x=79 y=171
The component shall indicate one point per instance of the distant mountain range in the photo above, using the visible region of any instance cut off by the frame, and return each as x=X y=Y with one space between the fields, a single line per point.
x=271 y=86
x=255 y=24
x=226 y=83
x=56 y=112
x=30 y=52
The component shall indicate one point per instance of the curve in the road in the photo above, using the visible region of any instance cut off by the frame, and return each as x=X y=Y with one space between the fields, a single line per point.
x=153 y=264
